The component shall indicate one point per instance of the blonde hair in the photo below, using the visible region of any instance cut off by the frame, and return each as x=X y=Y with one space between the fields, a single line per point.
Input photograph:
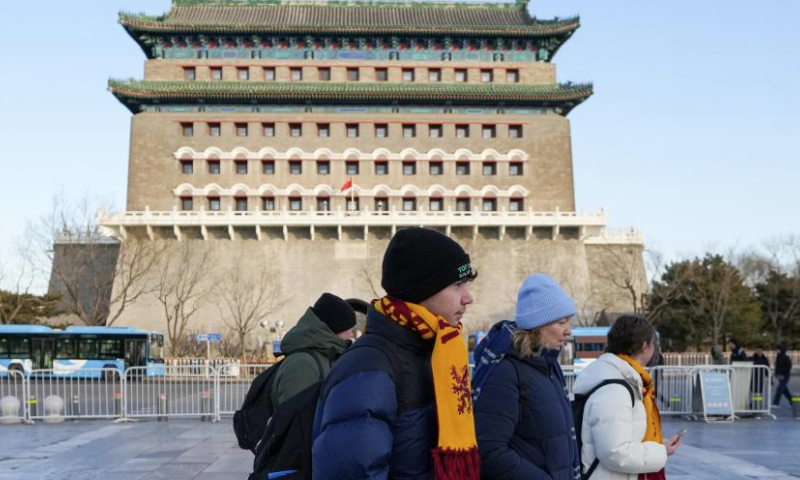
x=527 y=342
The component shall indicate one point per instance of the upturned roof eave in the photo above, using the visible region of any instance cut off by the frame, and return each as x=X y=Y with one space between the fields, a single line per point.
x=133 y=95
x=565 y=30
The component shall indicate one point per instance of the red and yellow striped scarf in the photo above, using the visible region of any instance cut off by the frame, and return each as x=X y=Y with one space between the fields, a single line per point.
x=456 y=454
x=653 y=433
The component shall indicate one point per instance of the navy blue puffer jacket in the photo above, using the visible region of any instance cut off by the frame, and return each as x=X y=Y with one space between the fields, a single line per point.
x=376 y=418
x=524 y=422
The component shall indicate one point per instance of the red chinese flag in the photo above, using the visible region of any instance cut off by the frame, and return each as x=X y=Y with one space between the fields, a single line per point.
x=347 y=184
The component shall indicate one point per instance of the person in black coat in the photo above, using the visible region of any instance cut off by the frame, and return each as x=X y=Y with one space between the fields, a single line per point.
x=783 y=370
x=380 y=415
x=523 y=417
x=737 y=352
x=758 y=382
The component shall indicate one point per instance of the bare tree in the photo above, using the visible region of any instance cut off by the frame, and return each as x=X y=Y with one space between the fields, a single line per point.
x=620 y=271
x=18 y=303
x=369 y=279
x=247 y=297
x=182 y=287
x=774 y=274
x=96 y=275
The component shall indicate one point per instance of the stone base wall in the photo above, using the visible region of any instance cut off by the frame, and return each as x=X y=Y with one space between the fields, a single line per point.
x=301 y=269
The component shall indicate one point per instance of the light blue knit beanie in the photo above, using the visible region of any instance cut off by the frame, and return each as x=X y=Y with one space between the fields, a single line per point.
x=541 y=301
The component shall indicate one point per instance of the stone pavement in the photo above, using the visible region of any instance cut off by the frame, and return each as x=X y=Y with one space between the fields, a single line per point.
x=192 y=450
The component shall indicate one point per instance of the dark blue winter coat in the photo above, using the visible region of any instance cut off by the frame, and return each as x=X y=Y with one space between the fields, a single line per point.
x=524 y=422
x=376 y=418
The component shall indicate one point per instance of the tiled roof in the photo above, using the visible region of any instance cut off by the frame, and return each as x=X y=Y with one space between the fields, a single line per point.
x=199 y=16
x=133 y=93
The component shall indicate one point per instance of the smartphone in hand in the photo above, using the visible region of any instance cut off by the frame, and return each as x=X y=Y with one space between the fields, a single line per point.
x=681 y=433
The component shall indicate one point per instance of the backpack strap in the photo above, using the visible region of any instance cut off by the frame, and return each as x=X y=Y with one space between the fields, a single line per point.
x=617 y=381
x=523 y=385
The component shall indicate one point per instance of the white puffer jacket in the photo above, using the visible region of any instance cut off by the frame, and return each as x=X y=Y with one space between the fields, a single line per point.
x=612 y=431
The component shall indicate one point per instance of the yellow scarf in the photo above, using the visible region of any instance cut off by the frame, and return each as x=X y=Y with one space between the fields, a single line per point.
x=456 y=455
x=653 y=433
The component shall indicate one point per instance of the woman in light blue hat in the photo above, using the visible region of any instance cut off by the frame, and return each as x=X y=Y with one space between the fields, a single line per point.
x=523 y=417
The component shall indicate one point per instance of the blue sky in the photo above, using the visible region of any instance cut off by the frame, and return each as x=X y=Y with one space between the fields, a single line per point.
x=690 y=137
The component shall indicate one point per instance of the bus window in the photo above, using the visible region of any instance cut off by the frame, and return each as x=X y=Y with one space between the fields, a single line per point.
x=20 y=347
x=110 y=349
x=3 y=348
x=65 y=348
x=87 y=347
x=134 y=352
x=156 y=344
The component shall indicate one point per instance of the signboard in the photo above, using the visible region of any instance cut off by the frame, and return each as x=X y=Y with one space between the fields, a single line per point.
x=715 y=388
x=208 y=337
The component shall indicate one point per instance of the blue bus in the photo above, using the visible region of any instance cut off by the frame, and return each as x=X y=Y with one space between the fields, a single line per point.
x=584 y=345
x=79 y=352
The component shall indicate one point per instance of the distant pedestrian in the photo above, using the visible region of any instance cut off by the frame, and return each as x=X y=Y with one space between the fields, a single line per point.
x=758 y=382
x=717 y=357
x=625 y=439
x=783 y=370
x=737 y=352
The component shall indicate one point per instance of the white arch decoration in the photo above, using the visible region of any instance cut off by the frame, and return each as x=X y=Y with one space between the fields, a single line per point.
x=213 y=188
x=323 y=152
x=183 y=189
x=236 y=152
x=518 y=191
x=324 y=189
x=296 y=188
x=267 y=152
x=214 y=152
x=267 y=189
x=490 y=190
x=381 y=189
x=381 y=152
x=464 y=190
x=436 y=189
x=408 y=152
x=184 y=153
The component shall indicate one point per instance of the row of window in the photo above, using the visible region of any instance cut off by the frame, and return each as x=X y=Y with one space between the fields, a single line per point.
x=352 y=130
x=352 y=167
x=435 y=204
x=353 y=74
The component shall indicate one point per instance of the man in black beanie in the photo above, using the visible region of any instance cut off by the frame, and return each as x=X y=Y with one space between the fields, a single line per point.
x=320 y=337
x=380 y=415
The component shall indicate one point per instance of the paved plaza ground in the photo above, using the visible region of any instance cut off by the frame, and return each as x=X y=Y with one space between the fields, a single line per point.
x=193 y=450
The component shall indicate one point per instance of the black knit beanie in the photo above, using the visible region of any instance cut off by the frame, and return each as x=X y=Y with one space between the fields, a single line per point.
x=335 y=312
x=420 y=262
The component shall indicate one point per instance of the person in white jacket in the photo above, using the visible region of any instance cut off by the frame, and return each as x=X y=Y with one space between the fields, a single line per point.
x=625 y=439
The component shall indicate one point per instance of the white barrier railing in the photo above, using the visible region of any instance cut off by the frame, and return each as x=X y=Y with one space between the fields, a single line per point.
x=13 y=385
x=95 y=393
x=208 y=393
x=232 y=389
x=183 y=392
x=674 y=389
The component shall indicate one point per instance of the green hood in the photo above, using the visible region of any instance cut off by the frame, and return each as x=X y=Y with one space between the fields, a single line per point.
x=313 y=334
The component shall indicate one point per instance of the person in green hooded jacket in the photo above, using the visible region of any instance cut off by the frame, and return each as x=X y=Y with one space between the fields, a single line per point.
x=320 y=337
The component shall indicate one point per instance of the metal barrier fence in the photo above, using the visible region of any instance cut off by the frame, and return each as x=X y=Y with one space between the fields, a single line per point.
x=13 y=394
x=232 y=389
x=674 y=389
x=186 y=391
x=97 y=393
x=208 y=393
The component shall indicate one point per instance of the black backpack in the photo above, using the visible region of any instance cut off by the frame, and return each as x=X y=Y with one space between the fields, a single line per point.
x=579 y=405
x=285 y=450
x=250 y=421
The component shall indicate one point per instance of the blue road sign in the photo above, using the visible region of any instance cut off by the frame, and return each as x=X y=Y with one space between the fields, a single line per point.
x=208 y=337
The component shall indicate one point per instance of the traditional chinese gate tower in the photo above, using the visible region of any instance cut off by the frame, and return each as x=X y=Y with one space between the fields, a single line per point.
x=253 y=114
